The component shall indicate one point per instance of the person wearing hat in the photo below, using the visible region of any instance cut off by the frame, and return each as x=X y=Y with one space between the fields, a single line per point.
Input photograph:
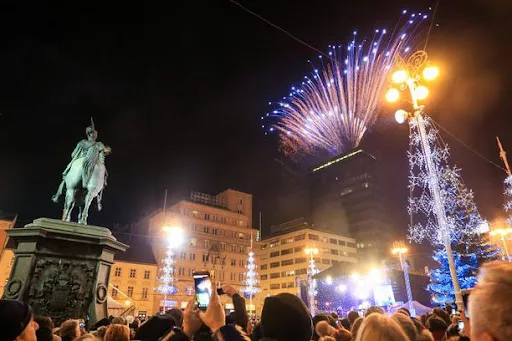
x=17 y=321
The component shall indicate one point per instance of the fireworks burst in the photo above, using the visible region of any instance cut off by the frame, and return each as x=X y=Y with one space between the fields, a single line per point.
x=335 y=106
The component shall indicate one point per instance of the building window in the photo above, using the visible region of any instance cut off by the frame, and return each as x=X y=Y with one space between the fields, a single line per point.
x=342 y=242
x=205 y=257
x=325 y=239
x=206 y=229
x=273 y=244
x=301 y=271
x=115 y=291
x=12 y=261
x=264 y=246
x=241 y=277
x=206 y=243
x=144 y=293
x=193 y=241
x=241 y=263
x=191 y=271
x=241 y=235
x=287 y=262
x=233 y=248
x=133 y=273
x=117 y=272
x=274 y=286
x=334 y=252
x=263 y=267
x=351 y=244
x=326 y=261
x=221 y=275
x=274 y=264
x=206 y=216
x=299 y=249
x=223 y=246
x=195 y=214
x=214 y=231
x=147 y=274
x=286 y=252
x=183 y=255
x=333 y=241
x=129 y=293
x=275 y=275
x=233 y=262
x=287 y=273
x=274 y=254
x=181 y=271
x=300 y=237
x=263 y=277
x=300 y=260
x=313 y=237
x=192 y=256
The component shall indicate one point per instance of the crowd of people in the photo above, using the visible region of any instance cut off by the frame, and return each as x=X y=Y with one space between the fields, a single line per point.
x=284 y=317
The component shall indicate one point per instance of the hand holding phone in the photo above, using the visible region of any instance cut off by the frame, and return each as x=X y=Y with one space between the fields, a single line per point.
x=203 y=286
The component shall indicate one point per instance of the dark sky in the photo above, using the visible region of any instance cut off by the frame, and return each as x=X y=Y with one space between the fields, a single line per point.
x=178 y=92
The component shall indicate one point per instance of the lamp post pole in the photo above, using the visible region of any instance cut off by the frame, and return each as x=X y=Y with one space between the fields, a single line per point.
x=399 y=248
x=312 y=282
x=503 y=232
x=410 y=79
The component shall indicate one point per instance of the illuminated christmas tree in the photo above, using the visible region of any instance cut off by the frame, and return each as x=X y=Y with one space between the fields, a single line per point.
x=508 y=198
x=251 y=278
x=470 y=248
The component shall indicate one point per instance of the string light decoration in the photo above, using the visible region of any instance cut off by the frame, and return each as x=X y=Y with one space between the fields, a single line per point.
x=470 y=248
x=508 y=198
x=166 y=278
x=251 y=276
x=312 y=284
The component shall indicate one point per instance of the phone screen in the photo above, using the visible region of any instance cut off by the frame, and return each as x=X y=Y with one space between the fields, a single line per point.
x=461 y=325
x=203 y=286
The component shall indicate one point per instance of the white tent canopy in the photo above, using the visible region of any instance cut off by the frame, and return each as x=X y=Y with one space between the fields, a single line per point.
x=418 y=307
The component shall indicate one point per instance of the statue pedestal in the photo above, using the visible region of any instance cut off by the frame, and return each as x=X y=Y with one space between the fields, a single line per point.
x=62 y=269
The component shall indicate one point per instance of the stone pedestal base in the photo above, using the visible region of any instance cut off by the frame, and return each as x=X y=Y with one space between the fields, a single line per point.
x=62 y=269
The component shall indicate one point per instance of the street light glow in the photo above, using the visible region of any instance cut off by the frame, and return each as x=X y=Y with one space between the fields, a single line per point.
x=175 y=236
x=421 y=92
x=399 y=76
x=311 y=251
x=342 y=288
x=355 y=276
x=430 y=72
x=328 y=280
x=392 y=95
x=501 y=232
x=401 y=116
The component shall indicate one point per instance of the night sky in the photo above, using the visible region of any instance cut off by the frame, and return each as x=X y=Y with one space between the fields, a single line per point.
x=177 y=91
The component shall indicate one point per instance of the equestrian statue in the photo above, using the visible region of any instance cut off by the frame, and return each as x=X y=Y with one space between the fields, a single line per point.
x=85 y=176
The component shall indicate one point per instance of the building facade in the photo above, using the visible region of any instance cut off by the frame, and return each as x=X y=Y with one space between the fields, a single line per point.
x=218 y=233
x=7 y=221
x=284 y=262
x=346 y=199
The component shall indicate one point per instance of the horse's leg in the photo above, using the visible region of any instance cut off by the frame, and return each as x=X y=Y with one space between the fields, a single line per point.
x=87 y=203
x=68 y=204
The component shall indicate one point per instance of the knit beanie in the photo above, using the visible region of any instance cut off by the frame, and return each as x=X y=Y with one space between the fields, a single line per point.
x=285 y=317
x=14 y=318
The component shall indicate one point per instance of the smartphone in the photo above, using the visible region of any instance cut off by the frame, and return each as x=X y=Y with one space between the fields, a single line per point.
x=203 y=287
x=461 y=325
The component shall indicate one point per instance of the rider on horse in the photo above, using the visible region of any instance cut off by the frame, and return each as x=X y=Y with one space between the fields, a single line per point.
x=92 y=152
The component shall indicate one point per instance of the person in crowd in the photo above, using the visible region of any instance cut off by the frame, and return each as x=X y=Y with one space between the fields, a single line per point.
x=407 y=325
x=45 y=330
x=119 y=320
x=69 y=330
x=374 y=309
x=440 y=312
x=17 y=321
x=85 y=337
x=352 y=316
x=240 y=317
x=344 y=322
x=354 y=330
x=117 y=332
x=100 y=332
x=379 y=327
x=425 y=335
x=323 y=328
x=285 y=317
x=437 y=327
x=490 y=304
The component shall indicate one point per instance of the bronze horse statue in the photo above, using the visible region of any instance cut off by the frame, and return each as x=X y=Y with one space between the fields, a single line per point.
x=85 y=176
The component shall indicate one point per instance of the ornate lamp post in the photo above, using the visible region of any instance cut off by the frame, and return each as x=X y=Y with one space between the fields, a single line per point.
x=503 y=232
x=399 y=249
x=312 y=271
x=414 y=71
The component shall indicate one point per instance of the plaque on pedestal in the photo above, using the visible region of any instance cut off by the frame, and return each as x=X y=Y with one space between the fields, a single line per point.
x=62 y=269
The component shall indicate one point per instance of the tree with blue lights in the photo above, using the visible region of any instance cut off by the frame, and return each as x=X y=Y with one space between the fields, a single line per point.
x=470 y=247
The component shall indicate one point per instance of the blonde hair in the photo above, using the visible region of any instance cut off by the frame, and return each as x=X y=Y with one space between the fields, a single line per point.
x=488 y=314
x=117 y=332
x=379 y=327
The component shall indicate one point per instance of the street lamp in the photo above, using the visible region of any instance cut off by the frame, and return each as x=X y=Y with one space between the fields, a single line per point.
x=312 y=282
x=409 y=78
x=503 y=232
x=174 y=238
x=399 y=249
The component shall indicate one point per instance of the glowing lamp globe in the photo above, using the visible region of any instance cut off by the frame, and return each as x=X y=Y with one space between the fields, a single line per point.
x=328 y=280
x=421 y=92
x=392 y=95
x=399 y=76
x=342 y=288
x=401 y=116
x=175 y=236
x=430 y=73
